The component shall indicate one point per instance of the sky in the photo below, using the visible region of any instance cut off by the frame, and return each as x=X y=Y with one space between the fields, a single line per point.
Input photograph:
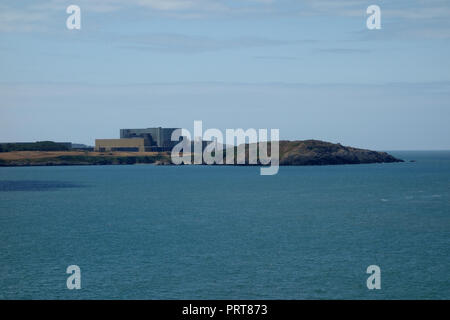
x=310 y=68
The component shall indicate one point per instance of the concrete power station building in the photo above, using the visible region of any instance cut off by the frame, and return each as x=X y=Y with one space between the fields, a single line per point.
x=150 y=139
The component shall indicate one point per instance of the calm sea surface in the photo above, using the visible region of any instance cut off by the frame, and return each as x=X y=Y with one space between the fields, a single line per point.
x=190 y=232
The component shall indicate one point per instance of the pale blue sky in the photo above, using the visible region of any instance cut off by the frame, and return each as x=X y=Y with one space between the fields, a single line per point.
x=310 y=68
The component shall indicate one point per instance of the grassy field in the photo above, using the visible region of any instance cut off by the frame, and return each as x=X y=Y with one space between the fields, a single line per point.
x=43 y=158
x=20 y=155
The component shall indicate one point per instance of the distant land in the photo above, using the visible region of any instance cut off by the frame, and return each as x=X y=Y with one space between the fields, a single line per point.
x=292 y=153
x=316 y=152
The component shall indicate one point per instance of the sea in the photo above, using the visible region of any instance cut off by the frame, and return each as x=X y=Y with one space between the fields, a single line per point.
x=219 y=232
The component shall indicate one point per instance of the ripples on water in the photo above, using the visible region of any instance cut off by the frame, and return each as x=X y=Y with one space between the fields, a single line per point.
x=149 y=232
x=34 y=185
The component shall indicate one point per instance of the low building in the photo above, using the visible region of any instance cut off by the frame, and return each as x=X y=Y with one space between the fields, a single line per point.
x=81 y=147
x=107 y=145
x=148 y=140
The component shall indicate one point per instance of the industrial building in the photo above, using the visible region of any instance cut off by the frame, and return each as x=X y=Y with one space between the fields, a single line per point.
x=150 y=140
x=159 y=138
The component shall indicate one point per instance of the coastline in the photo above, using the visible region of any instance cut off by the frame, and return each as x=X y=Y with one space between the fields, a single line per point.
x=69 y=158
x=291 y=153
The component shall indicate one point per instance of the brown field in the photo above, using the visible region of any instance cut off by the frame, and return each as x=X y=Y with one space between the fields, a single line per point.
x=19 y=155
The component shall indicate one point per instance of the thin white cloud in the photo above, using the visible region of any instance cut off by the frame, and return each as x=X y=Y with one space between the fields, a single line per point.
x=180 y=43
x=17 y=20
x=36 y=15
x=177 y=5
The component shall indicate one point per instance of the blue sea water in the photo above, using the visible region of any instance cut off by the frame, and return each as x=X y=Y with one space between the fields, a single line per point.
x=195 y=232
